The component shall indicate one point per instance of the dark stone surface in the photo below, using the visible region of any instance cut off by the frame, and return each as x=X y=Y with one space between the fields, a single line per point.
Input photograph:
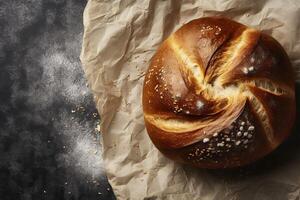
x=49 y=148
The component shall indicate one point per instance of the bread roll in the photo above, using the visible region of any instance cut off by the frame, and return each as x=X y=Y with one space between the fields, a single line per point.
x=218 y=94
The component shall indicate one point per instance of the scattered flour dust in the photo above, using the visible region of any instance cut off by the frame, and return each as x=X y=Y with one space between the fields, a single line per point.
x=83 y=149
x=64 y=77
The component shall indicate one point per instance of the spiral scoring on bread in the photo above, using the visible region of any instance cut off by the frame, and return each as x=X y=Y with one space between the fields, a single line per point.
x=202 y=79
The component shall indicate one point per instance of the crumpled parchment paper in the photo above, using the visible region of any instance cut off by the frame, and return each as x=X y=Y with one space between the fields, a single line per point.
x=120 y=38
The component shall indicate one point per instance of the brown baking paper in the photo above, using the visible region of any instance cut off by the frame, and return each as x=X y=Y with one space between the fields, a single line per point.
x=120 y=37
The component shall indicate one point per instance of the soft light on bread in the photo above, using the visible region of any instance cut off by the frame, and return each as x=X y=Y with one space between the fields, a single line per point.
x=218 y=94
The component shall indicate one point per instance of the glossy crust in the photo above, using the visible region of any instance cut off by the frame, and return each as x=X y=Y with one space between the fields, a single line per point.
x=218 y=94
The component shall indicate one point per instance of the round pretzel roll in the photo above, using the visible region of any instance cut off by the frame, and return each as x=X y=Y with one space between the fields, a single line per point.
x=218 y=94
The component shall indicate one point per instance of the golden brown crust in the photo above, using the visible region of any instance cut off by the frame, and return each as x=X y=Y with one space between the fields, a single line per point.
x=218 y=94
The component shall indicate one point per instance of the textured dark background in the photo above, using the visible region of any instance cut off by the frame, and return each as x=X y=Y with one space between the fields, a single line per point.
x=49 y=148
